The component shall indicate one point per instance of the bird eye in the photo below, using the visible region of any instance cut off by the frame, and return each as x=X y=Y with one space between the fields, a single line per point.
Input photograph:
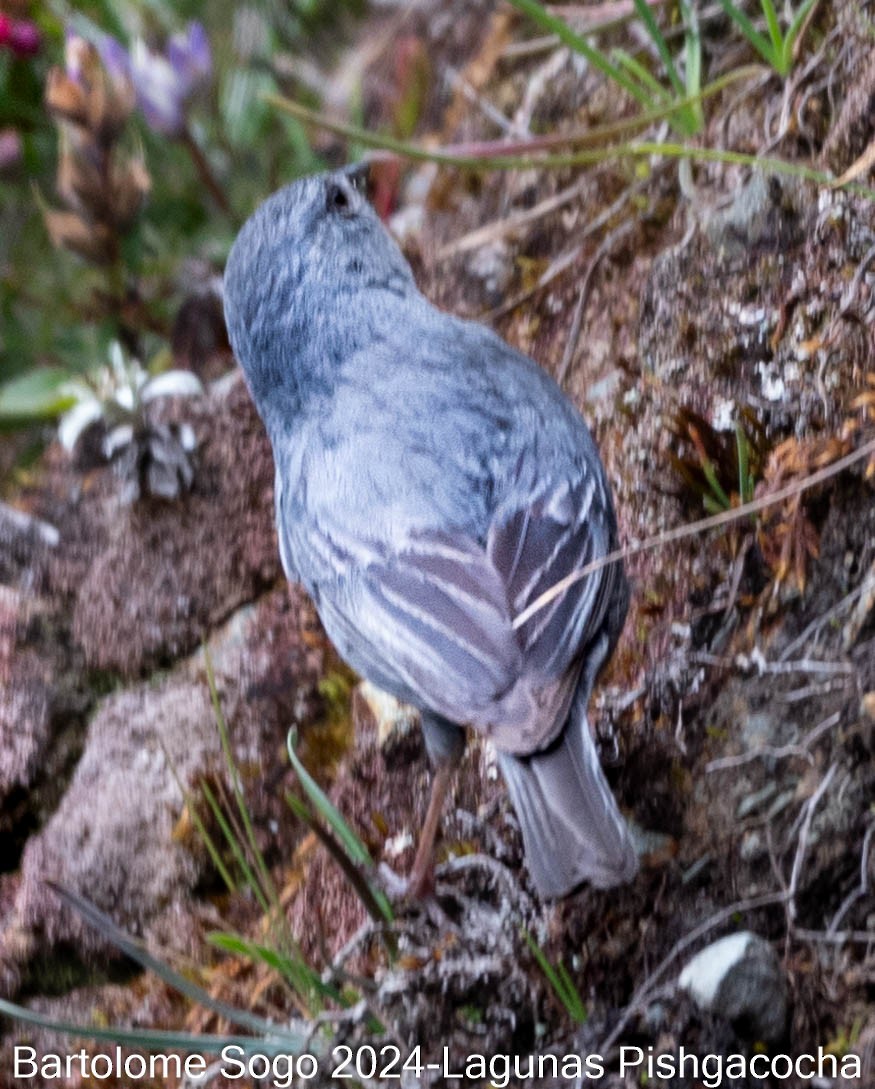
x=337 y=198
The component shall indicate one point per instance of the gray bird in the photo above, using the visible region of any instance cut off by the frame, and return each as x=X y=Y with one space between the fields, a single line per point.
x=431 y=482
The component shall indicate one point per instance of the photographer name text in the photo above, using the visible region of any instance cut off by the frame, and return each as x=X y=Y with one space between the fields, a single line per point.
x=388 y=1063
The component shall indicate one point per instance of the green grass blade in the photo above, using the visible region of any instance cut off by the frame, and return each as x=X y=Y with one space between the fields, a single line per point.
x=559 y=980
x=742 y=446
x=154 y=1039
x=714 y=484
x=693 y=62
x=352 y=848
x=326 y=808
x=375 y=901
x=499 y=158
x=567 y=36
x=682 y=119
x=234 y=843
x=573 y=1001
x=496 y=152
x=112 y=933
x=202 y=830
x=649 y=83
x=773 y=27
x=760 y=44
x=645 y=14
x=267 y=882
x=304 y=979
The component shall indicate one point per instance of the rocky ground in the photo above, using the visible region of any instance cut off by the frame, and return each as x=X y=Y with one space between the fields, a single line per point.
x=737 y=718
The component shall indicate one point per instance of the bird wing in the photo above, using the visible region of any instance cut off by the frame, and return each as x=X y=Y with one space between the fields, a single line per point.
x=431 y=619
x=536 y=544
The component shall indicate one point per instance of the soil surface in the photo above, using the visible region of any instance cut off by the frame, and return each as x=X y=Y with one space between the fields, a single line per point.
x=716 y=326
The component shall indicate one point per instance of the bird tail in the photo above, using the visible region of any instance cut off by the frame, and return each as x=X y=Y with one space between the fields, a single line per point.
x=572 y=829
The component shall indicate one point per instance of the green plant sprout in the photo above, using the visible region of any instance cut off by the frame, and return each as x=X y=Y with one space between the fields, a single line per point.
x=722 y=468
x=560 y=981
x=284 y=955
x=630 y=74
x=717 y=500
x=777 y=49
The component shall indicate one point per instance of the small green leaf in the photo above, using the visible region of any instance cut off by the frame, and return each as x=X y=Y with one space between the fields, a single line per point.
x=37 y=395
x=762 y=45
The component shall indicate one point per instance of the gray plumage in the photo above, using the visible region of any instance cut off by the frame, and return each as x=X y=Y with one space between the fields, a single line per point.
x=432 y=482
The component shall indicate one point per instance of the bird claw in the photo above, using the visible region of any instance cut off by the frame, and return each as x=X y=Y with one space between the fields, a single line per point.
x=394 y=885
x=413 y=891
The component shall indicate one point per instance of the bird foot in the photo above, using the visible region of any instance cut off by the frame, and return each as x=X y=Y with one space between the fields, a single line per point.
x=412 y=888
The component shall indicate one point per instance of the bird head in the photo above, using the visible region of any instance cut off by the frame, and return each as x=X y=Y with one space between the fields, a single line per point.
x=306 y=279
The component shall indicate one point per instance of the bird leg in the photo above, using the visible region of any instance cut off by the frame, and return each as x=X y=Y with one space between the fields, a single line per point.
x=421 y=881
x=445 y=744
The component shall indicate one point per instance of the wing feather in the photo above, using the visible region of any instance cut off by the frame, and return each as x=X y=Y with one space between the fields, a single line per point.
x=434 y=615
x=431 y=619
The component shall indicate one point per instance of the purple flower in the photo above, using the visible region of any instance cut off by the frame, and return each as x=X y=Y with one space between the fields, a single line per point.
x=190 y=55
x=115 y=60
x=75 y=56
x=166 y=82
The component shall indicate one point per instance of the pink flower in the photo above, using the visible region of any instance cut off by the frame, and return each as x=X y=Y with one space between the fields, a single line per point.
x=11 y=149
x=21 y=36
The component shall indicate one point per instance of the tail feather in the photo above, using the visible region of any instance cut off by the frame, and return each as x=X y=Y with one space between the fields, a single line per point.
x=572 y=829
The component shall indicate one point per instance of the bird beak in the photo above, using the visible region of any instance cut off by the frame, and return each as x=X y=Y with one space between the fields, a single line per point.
x=359 y=175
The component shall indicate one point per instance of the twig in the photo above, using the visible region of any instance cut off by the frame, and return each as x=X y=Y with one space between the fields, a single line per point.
x=348 y=1015
x=693 y=529
x=862 y=609
x=756 y=661
x=857 y=279
x=458 y=83
x=802 y=749
x=840 y=937
x=861 y=890
x=365 y=933
x=556 y=267
x=606 y=245
x=807 y=665
x=492 y=866
x=821 y=621
x=499 y=228
x=815 y=733
x=802 y=847
x=806 y=23
x=811 y=691
x=645 y=991
x=564 y=261
x=792 y=86
x=205 y=173
x=725 y=762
